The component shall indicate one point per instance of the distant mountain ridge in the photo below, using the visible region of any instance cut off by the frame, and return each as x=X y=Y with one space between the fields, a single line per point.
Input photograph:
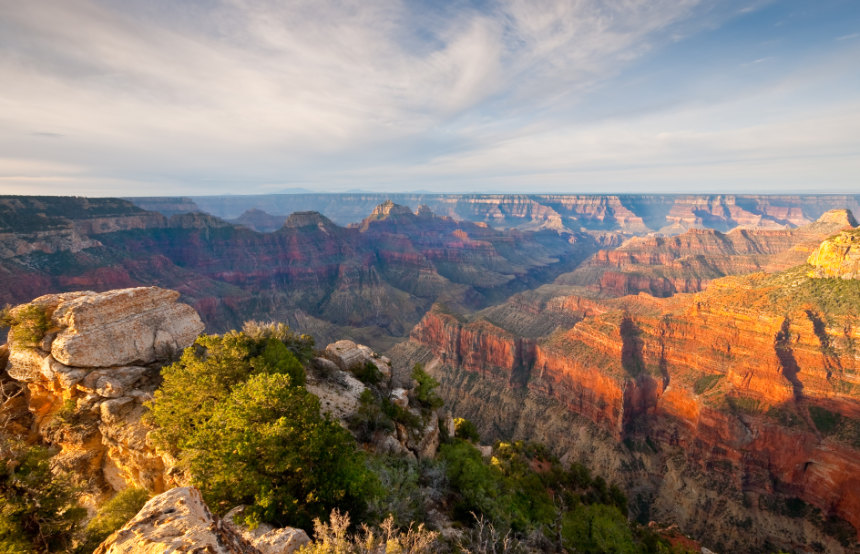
x=630 y=213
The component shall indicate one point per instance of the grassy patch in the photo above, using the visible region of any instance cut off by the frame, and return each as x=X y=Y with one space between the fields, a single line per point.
x=705 y=383
x=825 y=420
x=745 y=405
x=28 y=325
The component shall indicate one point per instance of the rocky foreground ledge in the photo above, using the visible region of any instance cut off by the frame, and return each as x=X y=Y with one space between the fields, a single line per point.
x=179 y=521
x=92 y=359
x=78 y=371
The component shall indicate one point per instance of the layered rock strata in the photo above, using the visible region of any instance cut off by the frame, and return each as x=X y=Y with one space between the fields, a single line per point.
x=665 y=265
x=735 y=413
x=633 y=213
x=87 y=378
x=371 y=283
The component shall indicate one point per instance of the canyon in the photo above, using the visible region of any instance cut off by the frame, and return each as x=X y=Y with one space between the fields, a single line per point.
x=699 y=350
x=371 y=282
x=734 y=411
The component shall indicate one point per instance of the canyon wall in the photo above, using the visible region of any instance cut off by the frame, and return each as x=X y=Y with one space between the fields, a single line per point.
x=734 y=412
x=371 y=283
x=665 y=265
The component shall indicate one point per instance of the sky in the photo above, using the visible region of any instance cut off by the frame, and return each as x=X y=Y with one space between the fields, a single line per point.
x=202 y=97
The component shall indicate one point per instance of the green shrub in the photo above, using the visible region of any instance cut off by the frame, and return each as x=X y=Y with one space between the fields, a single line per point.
x=112 y=515
x=400 y=415
x=236 y=413
x=369 y=417
x=38 y=512
x=28 y=325
x=402 y=496
x=744 y=404
x=706 y=382
x=302 y=346
x=267 y=446
x=425 y=388
x=6 y=316
x=204 y=376
x=368 y=374
x=597 y=529
x=466 y=430
x=825 y=420
x=478 y=485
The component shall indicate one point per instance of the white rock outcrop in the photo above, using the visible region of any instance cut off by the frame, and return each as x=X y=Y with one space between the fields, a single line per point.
x=120 y=327
x=176 y=521
x=400 y=396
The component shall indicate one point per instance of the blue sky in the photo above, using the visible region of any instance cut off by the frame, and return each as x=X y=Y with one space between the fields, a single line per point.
x=154 y=97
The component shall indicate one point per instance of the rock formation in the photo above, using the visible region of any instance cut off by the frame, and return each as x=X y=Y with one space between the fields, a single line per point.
x=838 y=257
x=371 y=284
x=665 y=265
x=80 y=367
x=177 y=521
x=718 y=410
x=98 y=360
x=266 y=538
x=332 y=379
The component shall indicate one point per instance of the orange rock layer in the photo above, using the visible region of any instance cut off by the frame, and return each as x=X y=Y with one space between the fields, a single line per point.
x=737 y=388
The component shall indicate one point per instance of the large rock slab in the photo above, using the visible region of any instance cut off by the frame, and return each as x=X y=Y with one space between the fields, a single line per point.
x=176 y=521
x=120 y=327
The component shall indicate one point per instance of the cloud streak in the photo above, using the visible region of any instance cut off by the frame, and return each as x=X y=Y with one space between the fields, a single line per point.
x=152 y=97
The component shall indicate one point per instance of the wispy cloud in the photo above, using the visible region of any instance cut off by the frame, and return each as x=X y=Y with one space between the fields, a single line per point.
x=189 y=99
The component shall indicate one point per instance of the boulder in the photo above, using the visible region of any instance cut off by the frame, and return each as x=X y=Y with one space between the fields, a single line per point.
x=350 y=356
x=101 y=355
x=449 y=425
x=386 y=443
x=120 y=327
x=25 y=364
x=339 y=394
x=176 y=521
x=112 y=382
x=429 y=443
x=266 y=538
x=347 y=355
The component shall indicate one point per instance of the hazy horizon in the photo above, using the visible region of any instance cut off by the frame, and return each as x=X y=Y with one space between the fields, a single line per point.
x=142 y=98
